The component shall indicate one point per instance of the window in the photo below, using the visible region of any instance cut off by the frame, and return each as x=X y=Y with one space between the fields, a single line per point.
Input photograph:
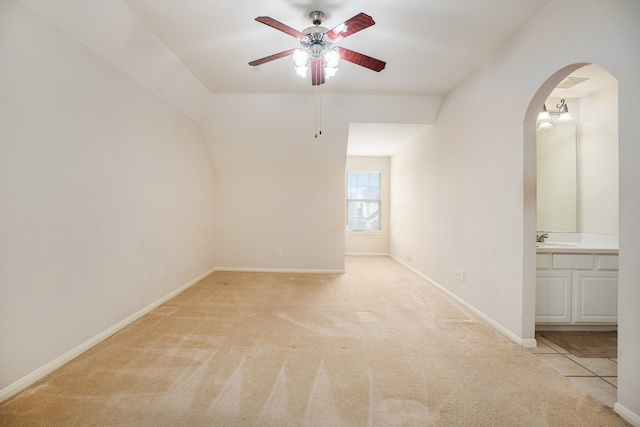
x=363 y=201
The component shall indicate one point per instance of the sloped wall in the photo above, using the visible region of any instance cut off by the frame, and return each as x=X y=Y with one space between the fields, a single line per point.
x=102 y=184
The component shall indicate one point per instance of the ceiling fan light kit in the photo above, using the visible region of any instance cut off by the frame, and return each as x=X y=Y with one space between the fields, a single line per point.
x=317 y=52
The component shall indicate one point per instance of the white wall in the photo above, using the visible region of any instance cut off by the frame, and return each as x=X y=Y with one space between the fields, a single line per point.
x=259 y=213
x=278 y=186
x=598 y=162
x=358 y=242
x=476 y=172
x=102 y=183
x=113 y=31
x=414 y=185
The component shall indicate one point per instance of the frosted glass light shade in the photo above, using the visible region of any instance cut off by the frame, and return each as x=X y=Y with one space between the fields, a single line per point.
x=300 y=57
x=544 y=114
x=565 y=115
x=330 y=71
x=331 y=58
x=301 y=70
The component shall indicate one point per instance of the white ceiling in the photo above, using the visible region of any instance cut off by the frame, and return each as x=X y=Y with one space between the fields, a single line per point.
x=428 y=45
x=382 y=139
x=597 y=78
x=187 y=50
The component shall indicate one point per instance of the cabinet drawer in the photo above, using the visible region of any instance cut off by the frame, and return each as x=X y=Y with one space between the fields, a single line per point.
x=543 y=261
x=607 y=262
x=573 y=261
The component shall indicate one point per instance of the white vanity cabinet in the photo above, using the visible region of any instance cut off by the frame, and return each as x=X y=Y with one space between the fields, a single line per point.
x=596 y=297
x=553 y=296
x=577 y=288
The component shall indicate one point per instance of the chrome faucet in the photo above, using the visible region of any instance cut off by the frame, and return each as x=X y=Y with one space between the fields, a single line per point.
x=540 y=238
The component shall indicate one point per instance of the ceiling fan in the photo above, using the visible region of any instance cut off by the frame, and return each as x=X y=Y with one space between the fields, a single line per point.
x=317 y=52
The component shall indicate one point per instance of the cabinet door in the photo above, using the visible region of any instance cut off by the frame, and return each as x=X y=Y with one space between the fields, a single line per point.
x=553 y=296
x=596 y=296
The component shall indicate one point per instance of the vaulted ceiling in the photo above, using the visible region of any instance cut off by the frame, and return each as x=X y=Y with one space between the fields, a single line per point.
x=428 y=45
x=187 y=51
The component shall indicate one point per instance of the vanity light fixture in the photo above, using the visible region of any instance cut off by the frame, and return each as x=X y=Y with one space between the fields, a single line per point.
x=545 y=121
x=563 y=112
x=544 y=115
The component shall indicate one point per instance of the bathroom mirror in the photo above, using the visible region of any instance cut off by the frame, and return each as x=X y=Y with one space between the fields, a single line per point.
x=557 y=191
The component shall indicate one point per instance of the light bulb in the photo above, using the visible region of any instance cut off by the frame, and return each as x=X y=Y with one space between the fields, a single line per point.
x=330 y=72
x=301 y=70
x=300 y=57
x=331 y=58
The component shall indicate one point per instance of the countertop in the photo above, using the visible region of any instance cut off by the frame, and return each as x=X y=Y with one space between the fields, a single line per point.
x=575 y=248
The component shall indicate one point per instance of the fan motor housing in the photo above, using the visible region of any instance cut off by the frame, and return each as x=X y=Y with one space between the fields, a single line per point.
x=316 y=36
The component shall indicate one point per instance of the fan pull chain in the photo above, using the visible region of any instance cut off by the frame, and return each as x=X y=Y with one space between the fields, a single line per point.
x=320 y=101
x=318 y=114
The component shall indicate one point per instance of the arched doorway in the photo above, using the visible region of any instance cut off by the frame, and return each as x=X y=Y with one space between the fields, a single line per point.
x=557 y=295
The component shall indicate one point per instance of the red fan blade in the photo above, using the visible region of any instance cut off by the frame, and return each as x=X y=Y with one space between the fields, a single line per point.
x=272 y=57
x=317 y=72
x=362 y=60
x=280 y=26
x=350 y=26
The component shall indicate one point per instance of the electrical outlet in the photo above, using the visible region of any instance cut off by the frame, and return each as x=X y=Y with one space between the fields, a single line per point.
x=279 y=251
x=162 y=272
x=460 y=274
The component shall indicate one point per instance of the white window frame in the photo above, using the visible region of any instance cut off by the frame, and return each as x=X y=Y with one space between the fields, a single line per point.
x=377 y=221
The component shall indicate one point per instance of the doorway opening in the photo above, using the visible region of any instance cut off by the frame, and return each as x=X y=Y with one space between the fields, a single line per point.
x=573 y=165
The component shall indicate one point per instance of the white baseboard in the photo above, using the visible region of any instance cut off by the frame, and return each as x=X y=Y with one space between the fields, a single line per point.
x=525 y=342
x=630 y=417
x=40 y=373
x=280 y=270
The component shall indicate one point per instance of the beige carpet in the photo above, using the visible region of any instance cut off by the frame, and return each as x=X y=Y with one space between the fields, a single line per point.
x=377 y=346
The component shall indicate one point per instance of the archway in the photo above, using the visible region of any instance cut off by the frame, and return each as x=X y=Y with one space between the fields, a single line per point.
x=588 y=132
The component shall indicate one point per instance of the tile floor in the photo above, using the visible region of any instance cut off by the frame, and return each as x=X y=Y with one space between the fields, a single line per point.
x=598 y=376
